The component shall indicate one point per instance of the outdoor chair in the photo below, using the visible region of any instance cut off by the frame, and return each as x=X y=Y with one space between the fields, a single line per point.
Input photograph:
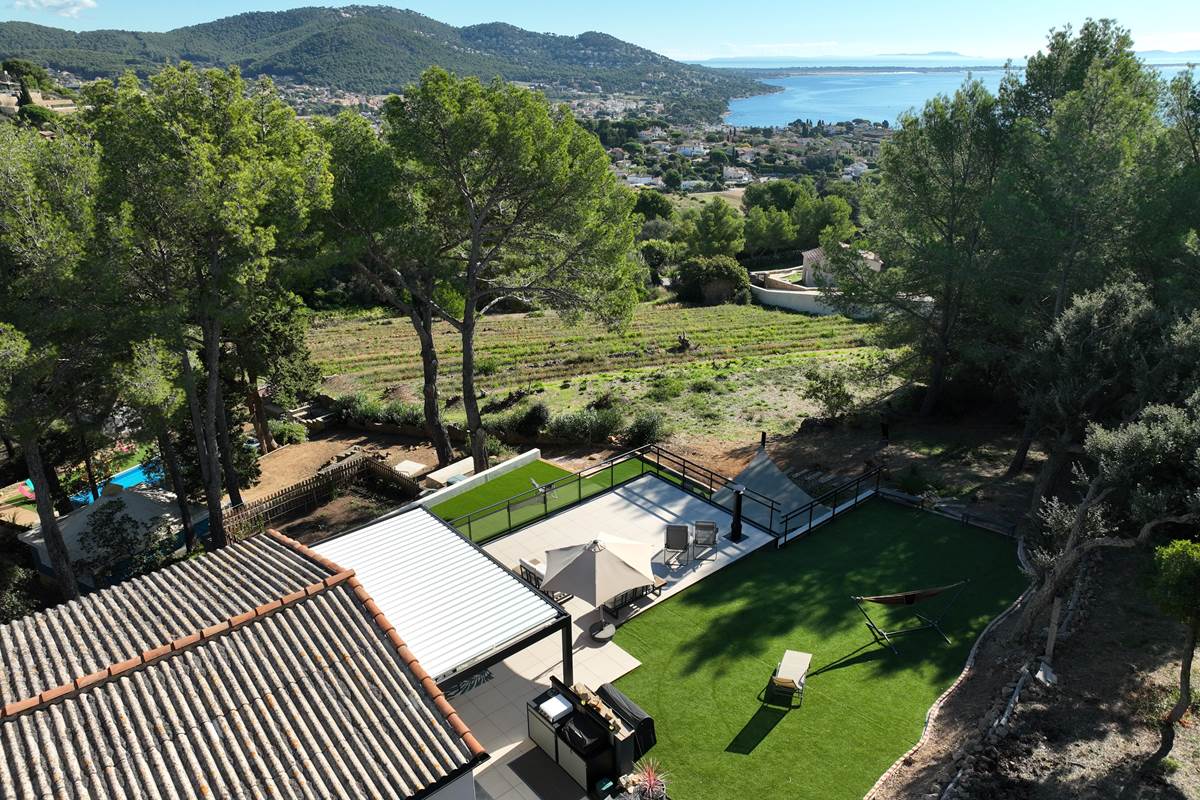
x=678 y=540
x=534 y=573
x=705 y=539
x=615 y=604
x=787 y=682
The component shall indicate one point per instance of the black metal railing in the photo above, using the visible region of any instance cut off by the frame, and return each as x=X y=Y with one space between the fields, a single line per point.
x=807 y=514
x=507 y=515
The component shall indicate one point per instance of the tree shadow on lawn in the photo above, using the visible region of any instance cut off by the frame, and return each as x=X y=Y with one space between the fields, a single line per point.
x=804 y=590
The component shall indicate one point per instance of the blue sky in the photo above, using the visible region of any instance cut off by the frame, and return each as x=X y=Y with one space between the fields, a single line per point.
x=695 y=29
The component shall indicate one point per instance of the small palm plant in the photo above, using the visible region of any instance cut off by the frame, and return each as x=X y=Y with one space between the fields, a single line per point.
x=649 y=781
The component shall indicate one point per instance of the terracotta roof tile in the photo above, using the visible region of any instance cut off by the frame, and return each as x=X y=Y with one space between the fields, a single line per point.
x=404 y=739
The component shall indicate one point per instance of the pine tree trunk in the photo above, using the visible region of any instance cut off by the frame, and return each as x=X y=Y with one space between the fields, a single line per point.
x=1018 y=460
x=259 y=414
x=56 y=548
x=86 y=451
x=422 y=321
x=1185 y=675
x=58 y=495
x=171 y=466
x=225 y=447
x=9 y=450
x=192 y=392
x=937 y=377
x=479 y=452
x=212 y=394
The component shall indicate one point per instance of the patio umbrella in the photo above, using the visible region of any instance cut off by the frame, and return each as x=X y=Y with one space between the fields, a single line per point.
x=600 y=569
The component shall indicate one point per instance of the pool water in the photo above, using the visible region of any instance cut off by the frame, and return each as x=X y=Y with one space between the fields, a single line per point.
x=142 y=473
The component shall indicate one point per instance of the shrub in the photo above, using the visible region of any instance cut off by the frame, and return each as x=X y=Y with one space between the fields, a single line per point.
x=487 y=366
x=397 y=412
x=38 y=116
x=704 y=385
x=829 y=387
x=914 y=481
x=713 y=281
x=605 y=399
x=358 y=408
x=589 y=425
x=531 y=421
x=665 y=387
x=287 y=432
x=648 y=427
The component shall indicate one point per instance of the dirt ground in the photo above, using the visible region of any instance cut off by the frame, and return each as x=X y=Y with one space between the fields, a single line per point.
x=296 y=462
x=357 y=506
x=1088 y=736
x=960 y=461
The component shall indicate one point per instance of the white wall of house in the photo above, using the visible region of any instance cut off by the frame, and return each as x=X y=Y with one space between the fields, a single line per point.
x=462 y=788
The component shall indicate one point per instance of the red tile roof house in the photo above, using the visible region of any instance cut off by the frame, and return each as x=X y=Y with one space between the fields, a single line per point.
x=264 y=669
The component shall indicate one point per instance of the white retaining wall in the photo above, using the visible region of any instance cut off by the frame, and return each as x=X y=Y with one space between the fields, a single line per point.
x=807 y=301
x=483 y=477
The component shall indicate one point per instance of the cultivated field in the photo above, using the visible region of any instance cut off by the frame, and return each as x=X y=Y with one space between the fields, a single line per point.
x=740 y=375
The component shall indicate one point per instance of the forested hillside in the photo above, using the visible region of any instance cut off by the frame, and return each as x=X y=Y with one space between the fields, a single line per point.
x=378 y=50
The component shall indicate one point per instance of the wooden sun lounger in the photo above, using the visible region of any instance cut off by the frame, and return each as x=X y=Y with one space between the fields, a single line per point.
x=790 y=675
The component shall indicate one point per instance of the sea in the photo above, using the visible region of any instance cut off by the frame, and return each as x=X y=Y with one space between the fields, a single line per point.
x=839 y=96
x=871 y=88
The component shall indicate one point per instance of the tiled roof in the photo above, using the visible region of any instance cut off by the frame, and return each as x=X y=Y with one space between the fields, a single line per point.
x=263 y=669
x=47 y=649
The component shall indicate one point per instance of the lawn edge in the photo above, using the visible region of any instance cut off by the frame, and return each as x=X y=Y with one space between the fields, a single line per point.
x=931 y=715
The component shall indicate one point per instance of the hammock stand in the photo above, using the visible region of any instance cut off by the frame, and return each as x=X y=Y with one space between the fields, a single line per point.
x=907 y=599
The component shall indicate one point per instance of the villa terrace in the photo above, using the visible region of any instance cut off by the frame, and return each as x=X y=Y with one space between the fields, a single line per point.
x=697 y=655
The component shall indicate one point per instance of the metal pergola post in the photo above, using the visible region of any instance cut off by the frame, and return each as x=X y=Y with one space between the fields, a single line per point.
x=568 y=652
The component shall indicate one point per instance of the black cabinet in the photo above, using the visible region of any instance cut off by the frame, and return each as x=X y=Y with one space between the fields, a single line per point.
x=581 y=741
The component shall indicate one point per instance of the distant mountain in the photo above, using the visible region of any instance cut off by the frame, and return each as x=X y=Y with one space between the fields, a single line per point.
x=377 y=49
x=1170 y=56
x=943 y=53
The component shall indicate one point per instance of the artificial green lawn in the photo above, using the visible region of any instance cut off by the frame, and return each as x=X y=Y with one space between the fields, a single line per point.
x=707 y=653
x=528 y=505
x=501 y=488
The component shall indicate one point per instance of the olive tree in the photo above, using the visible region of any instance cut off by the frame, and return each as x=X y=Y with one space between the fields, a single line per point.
x=1177 y=590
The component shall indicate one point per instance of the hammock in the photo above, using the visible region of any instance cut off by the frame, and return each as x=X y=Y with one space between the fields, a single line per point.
x=907 y=599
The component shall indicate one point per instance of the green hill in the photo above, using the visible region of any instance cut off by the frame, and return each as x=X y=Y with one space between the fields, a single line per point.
x=376 y=49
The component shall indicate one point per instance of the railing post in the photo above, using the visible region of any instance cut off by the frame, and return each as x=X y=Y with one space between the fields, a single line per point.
x=612 y=474
x=508 y=511
x=811 y=505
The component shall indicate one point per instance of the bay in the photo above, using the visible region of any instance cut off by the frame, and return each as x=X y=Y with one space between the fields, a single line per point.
x=840 y=96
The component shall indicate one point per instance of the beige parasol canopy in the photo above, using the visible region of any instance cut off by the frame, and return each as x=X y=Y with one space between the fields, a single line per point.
x=599 y=570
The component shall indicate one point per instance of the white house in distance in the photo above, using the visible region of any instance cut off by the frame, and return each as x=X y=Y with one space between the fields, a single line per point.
x=738 y=176
x=798 y=288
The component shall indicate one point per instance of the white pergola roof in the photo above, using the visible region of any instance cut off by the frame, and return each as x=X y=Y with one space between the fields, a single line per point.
x=452 y=603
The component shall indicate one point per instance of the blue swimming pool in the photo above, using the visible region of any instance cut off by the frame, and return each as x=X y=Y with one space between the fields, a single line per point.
x=142 y=473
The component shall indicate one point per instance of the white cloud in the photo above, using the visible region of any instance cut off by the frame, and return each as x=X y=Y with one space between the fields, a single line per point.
x=63 y=8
